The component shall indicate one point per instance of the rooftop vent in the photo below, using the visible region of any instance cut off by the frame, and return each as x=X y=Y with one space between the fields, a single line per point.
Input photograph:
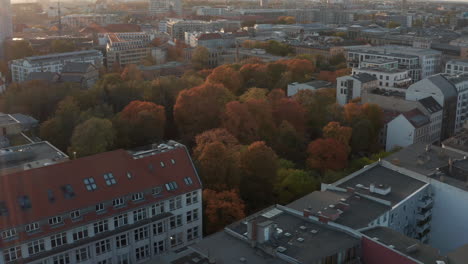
x=303 y=227
x=314 y=231
x=381 y=189
x=281 y=249
x=287 y=234
x=242 y=259
x=300 y=239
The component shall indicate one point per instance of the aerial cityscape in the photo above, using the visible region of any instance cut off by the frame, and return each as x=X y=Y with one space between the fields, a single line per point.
x=233 y=131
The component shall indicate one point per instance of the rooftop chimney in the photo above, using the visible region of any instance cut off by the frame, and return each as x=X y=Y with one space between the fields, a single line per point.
x=450 y=163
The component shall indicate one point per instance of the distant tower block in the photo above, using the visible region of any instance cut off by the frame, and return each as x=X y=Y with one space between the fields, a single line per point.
x=264 y=3
x=161 y=7
x=6 y=27
x=404 y=4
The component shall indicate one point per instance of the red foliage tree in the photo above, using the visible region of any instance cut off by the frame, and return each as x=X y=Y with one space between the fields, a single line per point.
x=352 y=113
x=199 y=109
x=327 y=154
x=255 y=75
x=222 y=208
x=228 y=77
x=336 y=131
x=215 y=135
x=287 y=109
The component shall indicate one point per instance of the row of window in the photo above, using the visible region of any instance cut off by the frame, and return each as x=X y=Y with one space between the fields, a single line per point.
x=175 y=203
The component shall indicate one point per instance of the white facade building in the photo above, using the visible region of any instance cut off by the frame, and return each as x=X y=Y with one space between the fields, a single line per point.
x=294 y=88
x=161 y=7
x=388 y=79
x=177 y=28
x=82 y=20
x=420 y=63
x=21 y=68
x=406 y=129
x=352 y=86
x=114 y=207
x=456 y=67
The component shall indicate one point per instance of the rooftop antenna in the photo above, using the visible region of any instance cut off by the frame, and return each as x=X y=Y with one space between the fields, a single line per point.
x=60 y=18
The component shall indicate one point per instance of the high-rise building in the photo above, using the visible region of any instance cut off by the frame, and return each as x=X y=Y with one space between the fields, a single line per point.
x=6 y=28
x=160 y=7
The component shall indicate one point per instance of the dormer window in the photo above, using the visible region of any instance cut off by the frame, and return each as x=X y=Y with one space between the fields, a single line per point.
x=55 y=220
x=109 y=178
x=156 y=190
x=137 y=196
x=31 y=227
x=90 y=184
x=118 y=202
x=75 y=214
x=9 y=233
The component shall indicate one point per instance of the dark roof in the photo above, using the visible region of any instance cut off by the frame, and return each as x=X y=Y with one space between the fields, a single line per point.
x=445 y=86
x=76 y=67
x=210 y=36
x=359 y=214
x=316 y=240
x=459 y=256
x=149 y=169
x=71 y=78
x=401 y=185
x=401 y=243
x=416 y=118
x=430 y=104
x=364 y=77
x=43 y=76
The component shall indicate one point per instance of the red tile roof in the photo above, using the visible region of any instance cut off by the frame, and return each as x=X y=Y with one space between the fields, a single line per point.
x=35 y=183
x=111 y=28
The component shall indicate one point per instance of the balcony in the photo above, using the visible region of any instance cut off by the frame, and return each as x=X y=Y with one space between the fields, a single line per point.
x=424 y=236
x=425 y=203
x=423 y=214
x=422 y=228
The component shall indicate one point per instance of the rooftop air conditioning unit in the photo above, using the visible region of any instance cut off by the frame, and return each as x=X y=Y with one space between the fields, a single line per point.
x=281 y=249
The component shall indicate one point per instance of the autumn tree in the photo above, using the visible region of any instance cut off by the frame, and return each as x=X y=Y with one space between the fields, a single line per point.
x=286 y=20
x=352 y=113
x=94 y=136
x=255 y=75
x=221 y=209
x=228 y=77
x=62 y=45
x=254 y=94
x=211 y=136
x=289 y=143
x=287 y=109
x=250 y=121
x=336 y=131
x=140 y=123
x=327 y=154
x=259 y=165
x=18 y=49
x=293 y=183
x=131 y=72
x=58 y=130
x=199 y=108
x=200 y=58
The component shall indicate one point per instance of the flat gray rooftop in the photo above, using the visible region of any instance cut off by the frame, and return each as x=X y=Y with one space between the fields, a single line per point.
x=6 y=119
x=401 y=243
x=317 y=240
x=360 y=213
x=19 y=156
x=402 y=185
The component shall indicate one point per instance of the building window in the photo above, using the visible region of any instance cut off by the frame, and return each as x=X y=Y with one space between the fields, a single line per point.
x=118 y=202
x=192 y=233
x=55 y=220
x=156 y=190
x=191 y=198
x=159 y=247
x=80 y=233
x=109 y=178
x=157 y=209
x=171 y=186
x=11 y=254
x=9 y=233
x=32 y=227
x=90 y=184
x=175 y=203
x=120 y=220
x=141 y=233
x=142 y=253
x=103 y=246
x=176 y=240
x=61 y=259
x=99 y=207
x=105 y=261
x=139 y=214
x=123 y=259
x=121 y=241
x=158 y=228
x=137 y=196
x=75 y=215
x=82 y=254
x=175 y=221
x=58 y=240
x=101 y=226
x=188 y=181
x=36 y=247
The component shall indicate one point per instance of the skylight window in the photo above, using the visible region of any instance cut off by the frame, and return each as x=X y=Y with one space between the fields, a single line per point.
x=173 y=161
x=90 y=184
x=109 y=178
x=24 y=202
x=129 y=175
x=3 y=208
x=188 y=180
x=68 y=191
x=171 y=186
x=163 y=165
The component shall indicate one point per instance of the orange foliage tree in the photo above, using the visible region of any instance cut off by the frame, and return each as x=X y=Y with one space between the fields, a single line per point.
x=327 y=154
x=228 y=77
x=336 y=131
x=221 y=209
x=199 y=108
x=215 y=135
x=140 y=123
x=131 y=73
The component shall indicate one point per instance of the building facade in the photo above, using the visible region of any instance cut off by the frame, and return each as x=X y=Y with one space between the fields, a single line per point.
x=176 y=28
x=115 y=207
x=6 y=26
x=353 y=86
x=456 y=67
x=161 y=7
x=76 y=21
x=127 y=48
x=21 y=68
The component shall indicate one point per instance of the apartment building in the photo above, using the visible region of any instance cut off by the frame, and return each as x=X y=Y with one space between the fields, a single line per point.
x=215 y=40
x=389 y=76
x=456 y=67
x=127 y=48
x=176 y=28
x=6 y=24
x=353 y=86
x=76 y=21
x=21 y=68
x=161 y=7
x=420 y=63
x=2 y=83
x=116 y=207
